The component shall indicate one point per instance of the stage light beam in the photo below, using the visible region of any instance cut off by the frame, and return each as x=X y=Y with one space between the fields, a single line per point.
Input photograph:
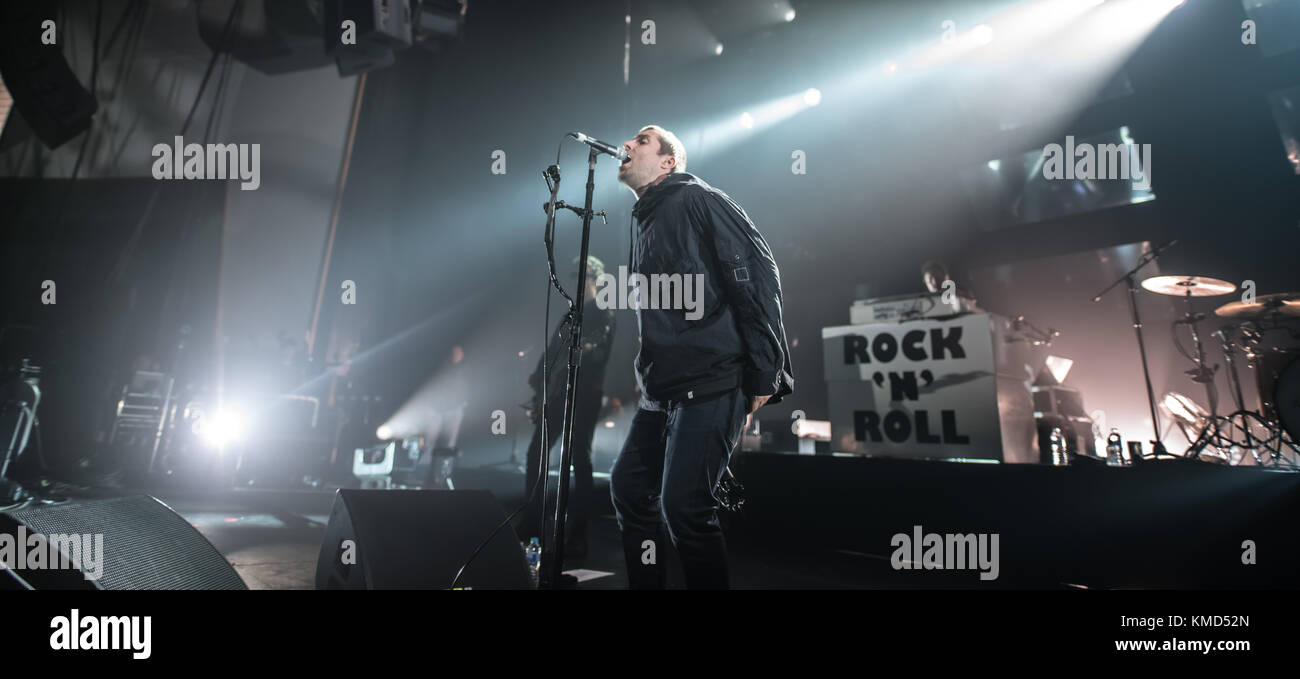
x=223 y=428
x=718 y=134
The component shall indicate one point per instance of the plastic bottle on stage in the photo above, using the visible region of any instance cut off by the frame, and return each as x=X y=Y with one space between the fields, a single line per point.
x=533 y=557
x=1114 y=449
x=1060 y=456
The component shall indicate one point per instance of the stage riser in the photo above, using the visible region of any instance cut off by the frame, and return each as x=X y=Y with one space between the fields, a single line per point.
x=1160 y=525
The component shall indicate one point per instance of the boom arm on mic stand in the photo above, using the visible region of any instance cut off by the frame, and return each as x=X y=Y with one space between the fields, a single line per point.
x=561 y=205
x=1157 y=446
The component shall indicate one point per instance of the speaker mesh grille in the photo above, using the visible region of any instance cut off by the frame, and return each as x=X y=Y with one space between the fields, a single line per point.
x=146 y=544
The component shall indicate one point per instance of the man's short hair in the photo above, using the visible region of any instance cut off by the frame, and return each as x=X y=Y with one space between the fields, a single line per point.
x=935 y=267
x=670 y=145
x=595 y=267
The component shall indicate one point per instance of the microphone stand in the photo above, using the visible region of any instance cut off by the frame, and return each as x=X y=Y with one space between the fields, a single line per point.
x=553 y=551
x=1157 y=446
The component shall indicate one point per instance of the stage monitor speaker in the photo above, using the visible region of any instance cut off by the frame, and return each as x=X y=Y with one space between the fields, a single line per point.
x=53 y=104
x=417 y=539
x=132 y=542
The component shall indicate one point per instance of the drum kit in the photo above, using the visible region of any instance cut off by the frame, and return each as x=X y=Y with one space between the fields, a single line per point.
x=1269 y=435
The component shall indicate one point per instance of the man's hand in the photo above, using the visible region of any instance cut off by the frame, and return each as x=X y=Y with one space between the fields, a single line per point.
x=757 y=402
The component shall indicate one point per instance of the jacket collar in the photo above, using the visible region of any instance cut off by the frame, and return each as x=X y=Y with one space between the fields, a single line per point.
x=655 y=194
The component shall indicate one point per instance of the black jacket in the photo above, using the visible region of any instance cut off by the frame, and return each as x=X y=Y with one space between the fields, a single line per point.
x=684 y=226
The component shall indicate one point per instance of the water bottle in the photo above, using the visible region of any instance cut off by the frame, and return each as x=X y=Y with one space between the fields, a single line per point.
x=533 y=557
x=1114 y=449
x=1059 y=456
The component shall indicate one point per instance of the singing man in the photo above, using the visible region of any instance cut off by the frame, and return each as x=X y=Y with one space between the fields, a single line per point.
x=699 y=379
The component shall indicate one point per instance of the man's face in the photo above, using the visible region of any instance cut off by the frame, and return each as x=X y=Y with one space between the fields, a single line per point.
x=934 y=281
x=643 y=164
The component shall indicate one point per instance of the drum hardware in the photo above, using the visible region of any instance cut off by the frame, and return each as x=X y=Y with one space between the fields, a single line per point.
x=1189 y=287
x=1192 y=420
x=1268 y=444
x=1187 y=414
x=1264 y=435
x=1278 y=379
x=1129 y=279
x=1275 y=306
x=1224 y=334
x=1227 y=439
x=1201 y=372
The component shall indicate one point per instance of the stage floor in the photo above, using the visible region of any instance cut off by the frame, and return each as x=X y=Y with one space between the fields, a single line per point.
x=272 y=538
x=820 y=522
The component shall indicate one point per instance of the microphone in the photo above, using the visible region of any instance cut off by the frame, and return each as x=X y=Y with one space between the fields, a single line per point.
x=617 y=151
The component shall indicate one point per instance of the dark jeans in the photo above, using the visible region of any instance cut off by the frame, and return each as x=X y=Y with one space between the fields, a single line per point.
x=584 y=428
x=666 y=475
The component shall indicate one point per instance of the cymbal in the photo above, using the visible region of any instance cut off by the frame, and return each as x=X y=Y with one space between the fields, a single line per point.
x=1185 y=286
x=1279 y=304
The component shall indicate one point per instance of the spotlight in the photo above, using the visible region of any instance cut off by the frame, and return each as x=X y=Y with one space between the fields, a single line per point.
x=812 y=97
x=982 y=34
x=1059 y=367
x=789 y=15
x=747 y=121
x=384 y=432
x=609 y=424
x=891 y=68
x=718 y=49
x=223 y=428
